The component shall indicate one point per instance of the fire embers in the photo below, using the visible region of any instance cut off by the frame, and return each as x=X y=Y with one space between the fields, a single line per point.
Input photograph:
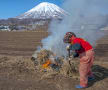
x=46 y=64
x=50 y=65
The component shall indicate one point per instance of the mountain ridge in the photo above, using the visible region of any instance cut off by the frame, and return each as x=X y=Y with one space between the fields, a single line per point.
x=44 y=10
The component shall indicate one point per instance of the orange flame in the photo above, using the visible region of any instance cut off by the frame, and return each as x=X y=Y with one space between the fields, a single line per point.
x=48 y=62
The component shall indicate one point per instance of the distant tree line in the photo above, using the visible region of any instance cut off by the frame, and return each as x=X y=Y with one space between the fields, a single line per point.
x=25 y=24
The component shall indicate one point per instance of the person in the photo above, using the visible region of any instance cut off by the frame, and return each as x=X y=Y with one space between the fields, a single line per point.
x=85 y=52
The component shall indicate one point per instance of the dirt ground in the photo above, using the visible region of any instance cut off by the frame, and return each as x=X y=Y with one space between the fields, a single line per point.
x=20 y=43
x=18 y=72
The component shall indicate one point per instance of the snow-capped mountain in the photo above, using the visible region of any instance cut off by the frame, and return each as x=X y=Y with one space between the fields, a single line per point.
x=44 y=10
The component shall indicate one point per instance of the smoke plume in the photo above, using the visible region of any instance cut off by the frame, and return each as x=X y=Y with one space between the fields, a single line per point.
x=84 y=18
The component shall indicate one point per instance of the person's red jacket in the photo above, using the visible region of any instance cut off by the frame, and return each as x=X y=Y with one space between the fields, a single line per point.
x=85 y=46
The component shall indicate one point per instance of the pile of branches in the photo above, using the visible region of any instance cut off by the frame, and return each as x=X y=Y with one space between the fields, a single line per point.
x=56 y=65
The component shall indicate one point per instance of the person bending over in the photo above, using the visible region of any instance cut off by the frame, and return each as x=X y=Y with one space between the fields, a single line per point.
x=85 y=52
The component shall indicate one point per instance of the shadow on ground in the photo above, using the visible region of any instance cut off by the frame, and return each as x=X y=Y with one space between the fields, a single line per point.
x=100 y=73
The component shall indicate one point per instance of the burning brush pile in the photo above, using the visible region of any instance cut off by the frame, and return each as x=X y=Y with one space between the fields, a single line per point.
x=50 y=65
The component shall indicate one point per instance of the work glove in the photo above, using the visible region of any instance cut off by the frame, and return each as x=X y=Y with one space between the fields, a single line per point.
x=75 y=54
x=68 y=47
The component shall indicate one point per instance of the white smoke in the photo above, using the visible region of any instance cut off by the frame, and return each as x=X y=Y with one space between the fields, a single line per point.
x=84 y=19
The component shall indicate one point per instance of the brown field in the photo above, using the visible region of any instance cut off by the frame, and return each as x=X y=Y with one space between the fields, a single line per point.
x=20 y=43
x=17 y=71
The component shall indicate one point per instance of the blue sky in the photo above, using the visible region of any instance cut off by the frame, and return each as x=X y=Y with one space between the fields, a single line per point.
x=12 y=8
